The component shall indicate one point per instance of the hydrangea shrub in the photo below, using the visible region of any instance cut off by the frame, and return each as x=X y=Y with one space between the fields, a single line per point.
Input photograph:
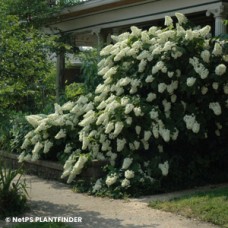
x=161 y=88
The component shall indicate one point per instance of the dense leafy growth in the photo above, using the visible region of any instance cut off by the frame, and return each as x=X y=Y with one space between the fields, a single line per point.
x=159 y=116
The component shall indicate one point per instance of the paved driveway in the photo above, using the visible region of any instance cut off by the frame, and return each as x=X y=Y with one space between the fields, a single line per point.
x=54 y=200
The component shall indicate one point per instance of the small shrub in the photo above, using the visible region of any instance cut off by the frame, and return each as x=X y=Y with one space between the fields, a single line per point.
x=13 y=193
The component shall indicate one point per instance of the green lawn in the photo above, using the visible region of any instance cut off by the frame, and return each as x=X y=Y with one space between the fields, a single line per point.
x=210 y=206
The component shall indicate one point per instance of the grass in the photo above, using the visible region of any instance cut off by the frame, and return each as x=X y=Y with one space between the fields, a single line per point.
x=209 y=206
x=40 y=225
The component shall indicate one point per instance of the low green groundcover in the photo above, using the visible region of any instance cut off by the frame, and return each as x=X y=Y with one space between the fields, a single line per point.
x=210 y=206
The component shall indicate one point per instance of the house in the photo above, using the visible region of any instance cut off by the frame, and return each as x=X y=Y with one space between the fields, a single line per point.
x=94 y=21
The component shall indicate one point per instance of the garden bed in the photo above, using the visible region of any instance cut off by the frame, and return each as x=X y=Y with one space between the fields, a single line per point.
x=49 y=169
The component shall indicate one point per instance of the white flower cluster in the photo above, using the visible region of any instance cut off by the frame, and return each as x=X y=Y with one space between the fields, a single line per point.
x=164 y=168
x=191 y=123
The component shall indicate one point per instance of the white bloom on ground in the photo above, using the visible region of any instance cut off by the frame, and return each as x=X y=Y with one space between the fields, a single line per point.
x=205 y=55
x=110 y=180
x=129 y=174
x=220 y=69
x=127 y=162
x=190 y=81
x=61 y=134
x=125 y=183
x=47 y=146
x=97 y=186
x=217 y=49
x=164 y=168
x=216 y=108
x=120 y=144
x=215 y=85
x=168 y=21
x=151 y=97
x=118 y=128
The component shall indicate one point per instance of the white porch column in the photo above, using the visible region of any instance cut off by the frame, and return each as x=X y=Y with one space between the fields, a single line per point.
x=96 y=31
x=220 y=15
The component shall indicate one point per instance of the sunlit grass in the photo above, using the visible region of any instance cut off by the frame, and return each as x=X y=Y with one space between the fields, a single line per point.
x=210 y=206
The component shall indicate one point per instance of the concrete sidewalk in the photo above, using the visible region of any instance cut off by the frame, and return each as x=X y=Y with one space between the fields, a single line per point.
x=53 y=199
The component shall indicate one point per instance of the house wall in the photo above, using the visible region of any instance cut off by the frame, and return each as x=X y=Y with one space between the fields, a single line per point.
x=111 y=15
